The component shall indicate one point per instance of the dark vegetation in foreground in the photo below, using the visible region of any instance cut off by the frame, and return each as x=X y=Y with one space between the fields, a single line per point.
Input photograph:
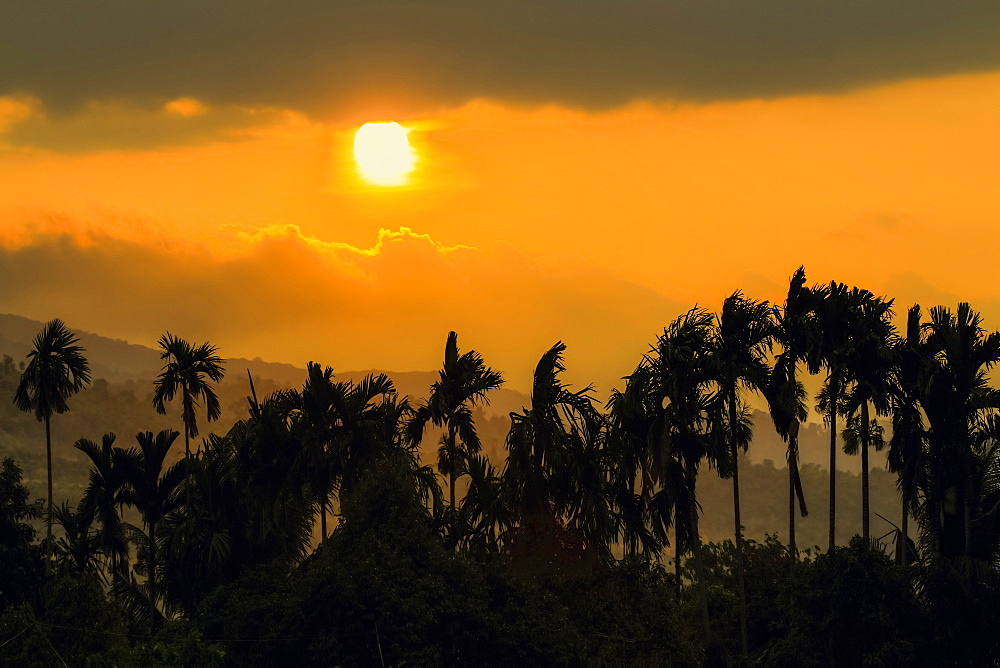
x=560 y=557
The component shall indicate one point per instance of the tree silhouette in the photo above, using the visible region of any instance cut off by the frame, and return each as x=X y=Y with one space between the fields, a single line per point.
x=57 y=370
x=77 y=550
x=907 y=444
x=739 y=345
x=681 y=373
x=317 y=420
x=869 y=369
x=102 y=499
x=153 y=492
x=839 y=314
x=188 y=370
x=633 y=421
x=464 y=381
x=346 y=428
x=958 y=401
x=795 y=331
x=556 y=467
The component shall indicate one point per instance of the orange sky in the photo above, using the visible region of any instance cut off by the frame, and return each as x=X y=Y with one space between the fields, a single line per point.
x=523 y=224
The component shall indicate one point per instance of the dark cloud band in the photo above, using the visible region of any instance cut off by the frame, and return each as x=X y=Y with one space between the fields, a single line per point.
x=323 y=56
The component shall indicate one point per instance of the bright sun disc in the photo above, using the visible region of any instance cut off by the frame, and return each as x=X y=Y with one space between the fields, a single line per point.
x=384 y=154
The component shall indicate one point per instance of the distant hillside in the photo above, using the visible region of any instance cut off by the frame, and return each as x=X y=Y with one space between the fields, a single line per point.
x=118 y=361
x=119 y=401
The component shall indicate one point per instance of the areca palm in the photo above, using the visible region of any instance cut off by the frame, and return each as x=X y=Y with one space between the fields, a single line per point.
x=869 y=370
x=906 y=446
x=958 y=402
x=486 y=508
x=840 y=315
x=188 y=370
x=57 y=370
x=247 y=502
x=77 y=550
x=464 y=382
x=632 y=421
x=679 y=382
x=556 y=466
x=369 y=421
x=347 y=428
x=317 y=422
x=739 y=345
x=795 y=331
x=103 y=499
x=270 y=471
x=152 y=491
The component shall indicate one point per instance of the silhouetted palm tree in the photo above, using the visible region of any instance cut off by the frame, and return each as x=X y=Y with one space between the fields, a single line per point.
x=77 y=550
x=869 y=369
x=57 y=370
x=907 y=444
x=739 y=345
x=346 y=428
x=152 y=491
x=317 y=421
x=796 y=332
x=839 y=312
x=369 y=427
x=958 y=400
x=680 y=380
x=632 y=420
x=103 y=499
x=187 y=370
x=557 y=471
x=270 y=472
x=486 y=509
x=464 y=381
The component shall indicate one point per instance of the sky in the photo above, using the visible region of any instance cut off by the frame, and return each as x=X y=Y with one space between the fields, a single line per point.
x=585 y=171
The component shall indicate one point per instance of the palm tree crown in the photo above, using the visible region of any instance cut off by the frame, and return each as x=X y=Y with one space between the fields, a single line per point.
x=57 y=371
x=187 y=370
x=464 y=382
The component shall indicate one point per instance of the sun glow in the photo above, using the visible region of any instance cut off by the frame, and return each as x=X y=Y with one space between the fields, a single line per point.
x=384 y=154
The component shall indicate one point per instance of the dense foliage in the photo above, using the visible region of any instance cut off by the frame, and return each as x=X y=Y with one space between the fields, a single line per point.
x=311 y=533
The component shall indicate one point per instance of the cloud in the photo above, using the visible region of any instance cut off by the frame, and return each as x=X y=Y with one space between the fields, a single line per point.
x=323 y=56
x=122 y=125
x=289 y=297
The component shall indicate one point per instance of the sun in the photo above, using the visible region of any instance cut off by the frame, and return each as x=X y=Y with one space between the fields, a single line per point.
x=384 y=154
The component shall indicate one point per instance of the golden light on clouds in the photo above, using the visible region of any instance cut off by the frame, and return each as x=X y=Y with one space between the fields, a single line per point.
x=384 y=154
x=673 y=204
x=185 y=106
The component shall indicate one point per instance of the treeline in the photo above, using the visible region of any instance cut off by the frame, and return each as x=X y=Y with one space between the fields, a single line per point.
x=555 y=555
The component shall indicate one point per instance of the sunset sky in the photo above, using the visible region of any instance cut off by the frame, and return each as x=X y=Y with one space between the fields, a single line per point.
x=585 y=170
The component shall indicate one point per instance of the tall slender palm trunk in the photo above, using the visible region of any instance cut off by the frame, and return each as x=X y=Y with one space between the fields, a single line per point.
x=904 y=529
x=834 y=395
x=793 y=447
x=186 y=407
x=48 y=517
x=186 y=399
x=739 y=528
x=794 y=484
x=451 y=489
x=452 y=454
x=322 y=516
x=865 y=425
x=152 y=578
